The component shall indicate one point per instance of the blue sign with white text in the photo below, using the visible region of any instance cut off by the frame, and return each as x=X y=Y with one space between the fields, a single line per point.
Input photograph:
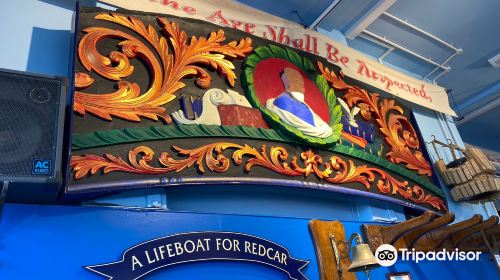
x=200 y=246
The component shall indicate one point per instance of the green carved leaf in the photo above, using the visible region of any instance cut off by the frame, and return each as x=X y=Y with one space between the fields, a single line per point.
x=334 y=109
x=308 y=66
x=263 y=52
x=210 y=129
x=252 y=97
x=247 y=77
x=337 y=129
x=252 y=60
x=322 y=84
x=278 y=52
x=185 y=129
x=160 y=131
x=295 y=58
x=335 y=115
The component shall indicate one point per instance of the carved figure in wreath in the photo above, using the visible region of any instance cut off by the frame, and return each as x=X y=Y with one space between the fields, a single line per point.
x=291 y=108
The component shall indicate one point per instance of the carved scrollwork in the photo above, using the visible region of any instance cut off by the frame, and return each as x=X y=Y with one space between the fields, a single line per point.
x=397 y=129
x=211 y=156
x=182 y=61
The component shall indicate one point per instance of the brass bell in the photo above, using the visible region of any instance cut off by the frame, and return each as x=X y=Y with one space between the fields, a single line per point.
x=362 y=256
x=362 y=259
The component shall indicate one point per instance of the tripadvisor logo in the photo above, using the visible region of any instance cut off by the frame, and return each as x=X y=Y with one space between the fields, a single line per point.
x=387 y=255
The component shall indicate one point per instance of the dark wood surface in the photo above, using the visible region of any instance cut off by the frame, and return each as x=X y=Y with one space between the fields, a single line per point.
x=458 y=237
x=419 y=239
x=440 y=236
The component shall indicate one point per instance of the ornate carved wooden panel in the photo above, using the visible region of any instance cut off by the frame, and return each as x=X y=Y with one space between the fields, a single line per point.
x=167 y=99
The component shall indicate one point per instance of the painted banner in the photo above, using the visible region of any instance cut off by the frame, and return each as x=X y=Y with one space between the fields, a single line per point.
x=228 y=13
x=181 y=248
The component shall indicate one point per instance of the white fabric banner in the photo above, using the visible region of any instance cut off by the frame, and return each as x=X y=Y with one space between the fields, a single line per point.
x=354 y=64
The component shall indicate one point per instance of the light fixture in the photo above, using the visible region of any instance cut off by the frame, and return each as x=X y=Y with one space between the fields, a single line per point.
x=362 y=256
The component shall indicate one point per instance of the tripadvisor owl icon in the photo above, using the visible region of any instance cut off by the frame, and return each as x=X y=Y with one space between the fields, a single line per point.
x=386 y=255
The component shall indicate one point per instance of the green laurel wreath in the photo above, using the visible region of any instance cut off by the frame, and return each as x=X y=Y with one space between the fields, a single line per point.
x=273 y=51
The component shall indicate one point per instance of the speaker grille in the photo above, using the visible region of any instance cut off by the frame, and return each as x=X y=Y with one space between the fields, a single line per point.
x=29 y=113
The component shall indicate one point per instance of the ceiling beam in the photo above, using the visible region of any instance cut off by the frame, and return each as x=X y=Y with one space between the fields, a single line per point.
x=421 y=31
x=408 y=51
x=476 y=113
x=468 y=104
x=324 y=14
x=364 y=21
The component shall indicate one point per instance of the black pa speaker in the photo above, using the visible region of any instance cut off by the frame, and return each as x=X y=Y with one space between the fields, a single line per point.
x=31 y=135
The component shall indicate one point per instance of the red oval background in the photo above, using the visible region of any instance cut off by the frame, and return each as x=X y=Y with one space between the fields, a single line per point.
x=268 y=84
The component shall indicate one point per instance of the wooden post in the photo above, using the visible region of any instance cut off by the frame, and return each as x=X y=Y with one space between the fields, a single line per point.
x=321 y=231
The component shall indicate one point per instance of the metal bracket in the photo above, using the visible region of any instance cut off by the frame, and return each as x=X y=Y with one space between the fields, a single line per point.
x=335 y=252
x=3 y=194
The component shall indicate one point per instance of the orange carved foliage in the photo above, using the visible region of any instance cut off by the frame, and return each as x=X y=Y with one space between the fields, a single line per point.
x=171 y=58
x=396 y=128
x=334 y=170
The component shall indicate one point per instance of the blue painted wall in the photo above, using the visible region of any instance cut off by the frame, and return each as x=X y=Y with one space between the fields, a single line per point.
x=442 y=127
x=54 y=242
